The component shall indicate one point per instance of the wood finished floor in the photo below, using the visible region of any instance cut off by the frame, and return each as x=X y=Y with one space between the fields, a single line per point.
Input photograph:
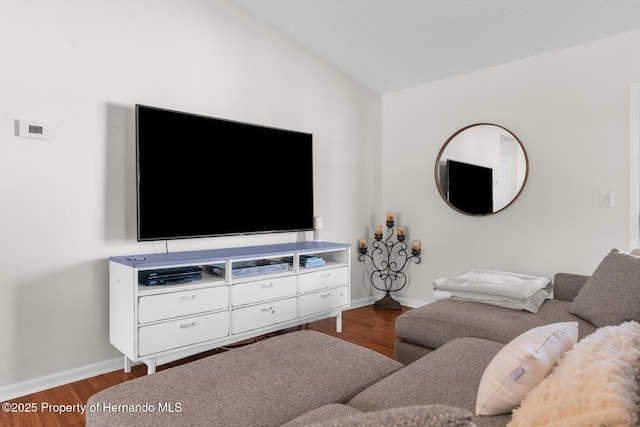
x=374 y=329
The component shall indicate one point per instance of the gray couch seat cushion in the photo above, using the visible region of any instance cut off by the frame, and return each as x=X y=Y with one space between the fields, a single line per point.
x=435 y=324
x=408 y=416
x=407 y=353
x=264 y=384
x=568 y=285
x=325 y=413
x=449 y=375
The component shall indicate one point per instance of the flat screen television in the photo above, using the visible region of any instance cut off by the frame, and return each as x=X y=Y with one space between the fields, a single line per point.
x=200 y=176
x=470 y=187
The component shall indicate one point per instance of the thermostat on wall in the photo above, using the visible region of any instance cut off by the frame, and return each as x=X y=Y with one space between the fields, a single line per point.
x=30 y=129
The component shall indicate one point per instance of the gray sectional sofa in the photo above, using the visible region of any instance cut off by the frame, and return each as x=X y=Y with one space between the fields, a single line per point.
x=609 y=296
x=299 y=378
x=426 y=328
x=308 y=378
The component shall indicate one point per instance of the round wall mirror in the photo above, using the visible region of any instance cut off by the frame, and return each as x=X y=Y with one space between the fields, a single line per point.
x=481 y=169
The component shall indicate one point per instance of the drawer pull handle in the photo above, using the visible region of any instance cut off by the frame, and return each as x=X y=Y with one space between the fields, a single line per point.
x=266 y=285
x=187 y=325
x=267 y=308
x=188 y=298
x=325 y=295
x=325 y=275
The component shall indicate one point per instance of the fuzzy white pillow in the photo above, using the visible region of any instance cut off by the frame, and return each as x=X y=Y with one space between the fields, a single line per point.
x=594 y=384
x=521 y=365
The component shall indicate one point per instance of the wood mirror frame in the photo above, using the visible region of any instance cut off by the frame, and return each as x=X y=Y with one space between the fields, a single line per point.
x=481 y=169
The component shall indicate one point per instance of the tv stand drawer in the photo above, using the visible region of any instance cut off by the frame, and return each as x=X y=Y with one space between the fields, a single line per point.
x=263 y=315
x=263 y=290
x=325 y=300
x=321 y=279
x=183 y=332
x=184 y=303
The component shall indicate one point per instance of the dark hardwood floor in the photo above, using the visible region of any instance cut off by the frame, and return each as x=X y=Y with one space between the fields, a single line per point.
x=374 y=329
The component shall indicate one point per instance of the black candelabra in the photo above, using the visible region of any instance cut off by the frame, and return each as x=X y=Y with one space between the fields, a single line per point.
x=389 y=258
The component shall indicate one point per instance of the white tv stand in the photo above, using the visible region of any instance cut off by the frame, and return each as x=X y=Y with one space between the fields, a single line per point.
x=158 y=324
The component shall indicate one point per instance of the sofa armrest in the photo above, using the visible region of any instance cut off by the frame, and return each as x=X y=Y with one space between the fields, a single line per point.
x=567 y=285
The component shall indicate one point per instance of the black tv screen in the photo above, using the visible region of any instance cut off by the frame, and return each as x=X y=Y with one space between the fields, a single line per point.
x=200 y=176
x=470 y=187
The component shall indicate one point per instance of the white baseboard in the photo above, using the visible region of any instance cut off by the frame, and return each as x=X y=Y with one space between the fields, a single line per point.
x=410 y=302
x=362 y=302
x=370 y=300
x=55 y=380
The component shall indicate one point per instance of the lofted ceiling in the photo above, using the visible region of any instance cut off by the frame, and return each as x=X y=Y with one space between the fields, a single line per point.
x=391 y=45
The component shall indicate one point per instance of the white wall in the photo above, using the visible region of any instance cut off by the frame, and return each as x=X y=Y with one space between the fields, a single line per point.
x=570 y=109
x=69 y=203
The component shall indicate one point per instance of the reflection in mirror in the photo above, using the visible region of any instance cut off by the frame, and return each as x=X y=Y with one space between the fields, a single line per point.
x=481 y=169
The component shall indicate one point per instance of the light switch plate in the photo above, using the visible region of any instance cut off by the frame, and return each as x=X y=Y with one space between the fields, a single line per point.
x=606 y=199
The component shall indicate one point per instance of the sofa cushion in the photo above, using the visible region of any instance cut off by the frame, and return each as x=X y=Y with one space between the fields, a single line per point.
x=594 y=384
x=338 y=415
x=324 y=413
x=449 y=375
x=407 y=353
x=410 y=416
x=521 y=365
x=566 y=286
x=264 y=384
x=612 y=293
x=434 y=324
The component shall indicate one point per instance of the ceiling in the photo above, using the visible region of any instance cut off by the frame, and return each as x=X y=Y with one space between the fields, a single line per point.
x=391 y=45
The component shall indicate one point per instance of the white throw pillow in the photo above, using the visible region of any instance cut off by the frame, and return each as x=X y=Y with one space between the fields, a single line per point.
x=521 y=365
x=593 y=384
